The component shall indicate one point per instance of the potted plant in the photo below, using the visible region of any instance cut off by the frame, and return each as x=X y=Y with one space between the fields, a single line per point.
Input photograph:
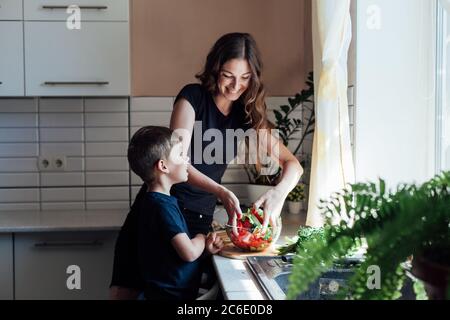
x=395 y=227
x=295 y=199
x=259 y=182
x=287 y=127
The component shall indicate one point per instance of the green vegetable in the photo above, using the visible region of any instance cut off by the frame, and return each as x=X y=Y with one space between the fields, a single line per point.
x=304 y=234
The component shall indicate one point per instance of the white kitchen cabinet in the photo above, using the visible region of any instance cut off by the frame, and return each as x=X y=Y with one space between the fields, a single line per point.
x=100 y=10
x=6 y=267
x=10 y=10
x=11 y=62
x=42 y=261
x=91 y=61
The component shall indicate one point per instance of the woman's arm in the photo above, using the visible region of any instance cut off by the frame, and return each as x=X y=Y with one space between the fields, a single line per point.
x=182 y=121
x=272 y=201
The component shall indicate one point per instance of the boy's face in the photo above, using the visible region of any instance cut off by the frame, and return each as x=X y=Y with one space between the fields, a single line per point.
x=178 y=164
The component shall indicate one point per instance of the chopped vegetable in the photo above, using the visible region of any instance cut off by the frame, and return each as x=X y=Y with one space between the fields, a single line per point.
x=250 y=236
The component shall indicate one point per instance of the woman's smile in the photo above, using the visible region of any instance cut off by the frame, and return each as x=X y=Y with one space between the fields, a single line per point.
x=234 y=78
x=234 y=93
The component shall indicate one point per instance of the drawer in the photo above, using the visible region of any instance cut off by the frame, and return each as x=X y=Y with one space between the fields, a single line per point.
x=11 y=62
x=42 y=261
x=10 y=10
x=92 y=61
x=56 y=10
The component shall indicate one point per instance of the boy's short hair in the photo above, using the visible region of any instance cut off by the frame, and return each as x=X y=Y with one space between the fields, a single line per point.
x=147 y=146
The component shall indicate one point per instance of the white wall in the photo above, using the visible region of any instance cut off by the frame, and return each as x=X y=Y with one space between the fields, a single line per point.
x=394 y=77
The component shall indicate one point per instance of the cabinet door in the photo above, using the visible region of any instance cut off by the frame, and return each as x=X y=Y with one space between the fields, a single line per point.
x=42 y=261
x=92 y=61
x=11 y=62
x=99 y=10
x=10 y=10
x=6 y=267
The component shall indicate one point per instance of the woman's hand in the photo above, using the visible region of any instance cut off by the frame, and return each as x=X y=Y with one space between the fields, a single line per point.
x=231 y=204
x=272 y=203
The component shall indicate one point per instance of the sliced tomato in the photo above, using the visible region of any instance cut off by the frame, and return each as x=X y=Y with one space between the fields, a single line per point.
x=255 y=212
x=247 y=224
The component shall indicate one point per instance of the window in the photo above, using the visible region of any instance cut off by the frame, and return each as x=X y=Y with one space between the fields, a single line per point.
x=443 y=90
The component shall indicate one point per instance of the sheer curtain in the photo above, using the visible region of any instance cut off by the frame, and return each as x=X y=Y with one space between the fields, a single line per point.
x=445 y=4
x=443 y=85
x=332 y=163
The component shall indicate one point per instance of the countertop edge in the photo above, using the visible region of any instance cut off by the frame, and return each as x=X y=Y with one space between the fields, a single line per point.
x=62 y=221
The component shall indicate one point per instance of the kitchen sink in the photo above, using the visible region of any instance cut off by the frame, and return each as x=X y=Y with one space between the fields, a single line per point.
x=273 y=274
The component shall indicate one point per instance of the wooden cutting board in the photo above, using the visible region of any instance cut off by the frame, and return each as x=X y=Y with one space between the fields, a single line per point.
x=232 y=252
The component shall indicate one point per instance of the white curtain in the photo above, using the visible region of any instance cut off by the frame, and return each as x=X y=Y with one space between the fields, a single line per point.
x=444 y=140
x=332 y=163
x=445 y=4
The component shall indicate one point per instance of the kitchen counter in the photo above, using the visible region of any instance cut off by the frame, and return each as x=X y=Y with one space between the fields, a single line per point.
x=43 y=221
x=235 y=277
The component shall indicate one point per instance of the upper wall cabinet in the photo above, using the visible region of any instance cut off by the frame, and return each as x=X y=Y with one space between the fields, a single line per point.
x=11 y=62
x=91 y=61
x=10 y=10
x=44 y=53
x=101 y=10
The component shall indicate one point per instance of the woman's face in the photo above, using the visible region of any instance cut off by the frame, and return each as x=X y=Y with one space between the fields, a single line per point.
x=234 y=78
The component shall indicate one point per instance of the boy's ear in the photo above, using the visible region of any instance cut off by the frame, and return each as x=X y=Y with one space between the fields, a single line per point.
x=161 y=165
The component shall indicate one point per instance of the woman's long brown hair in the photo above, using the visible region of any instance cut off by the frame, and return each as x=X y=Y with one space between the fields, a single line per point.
x=239 y=46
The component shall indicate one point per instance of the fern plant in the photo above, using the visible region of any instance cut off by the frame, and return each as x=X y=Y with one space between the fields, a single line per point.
x=409 y=221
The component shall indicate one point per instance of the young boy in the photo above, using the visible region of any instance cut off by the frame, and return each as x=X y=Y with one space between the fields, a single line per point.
x=167 y=254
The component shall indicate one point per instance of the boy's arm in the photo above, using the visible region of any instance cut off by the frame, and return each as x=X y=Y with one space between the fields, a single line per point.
x=189 y=249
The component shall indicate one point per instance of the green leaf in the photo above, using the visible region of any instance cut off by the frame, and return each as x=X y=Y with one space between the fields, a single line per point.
x=278 y=115
x=382 y=187
x=293 y=102
x=285 y=109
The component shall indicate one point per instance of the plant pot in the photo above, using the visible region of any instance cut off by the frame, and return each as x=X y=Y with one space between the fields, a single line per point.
x=294 y=207
x=434 y=276
x=254 y=191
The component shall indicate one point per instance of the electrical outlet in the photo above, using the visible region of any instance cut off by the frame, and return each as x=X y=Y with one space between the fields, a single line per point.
x=59 y=163
x=51 y=163
x=44 y=164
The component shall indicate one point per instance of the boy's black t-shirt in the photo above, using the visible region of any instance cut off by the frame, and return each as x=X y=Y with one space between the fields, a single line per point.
x=211 y=117
x=165 y=274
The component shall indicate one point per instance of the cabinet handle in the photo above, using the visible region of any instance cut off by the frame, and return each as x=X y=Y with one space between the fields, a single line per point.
x=51 y=7
x=76 y=83
x=45 y=244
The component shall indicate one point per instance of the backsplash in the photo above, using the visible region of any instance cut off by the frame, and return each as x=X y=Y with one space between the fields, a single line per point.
x=90 y=137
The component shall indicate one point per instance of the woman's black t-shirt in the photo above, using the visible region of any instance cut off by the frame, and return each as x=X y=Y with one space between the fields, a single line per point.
x=210 y=149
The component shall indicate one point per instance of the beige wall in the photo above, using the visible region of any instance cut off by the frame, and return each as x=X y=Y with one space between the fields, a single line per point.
x=171 y=38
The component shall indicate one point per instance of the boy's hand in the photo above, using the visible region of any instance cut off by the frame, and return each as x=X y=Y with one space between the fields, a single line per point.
x=214 y=243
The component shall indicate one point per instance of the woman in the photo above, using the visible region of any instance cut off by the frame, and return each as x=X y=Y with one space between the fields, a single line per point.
x=230 y=96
